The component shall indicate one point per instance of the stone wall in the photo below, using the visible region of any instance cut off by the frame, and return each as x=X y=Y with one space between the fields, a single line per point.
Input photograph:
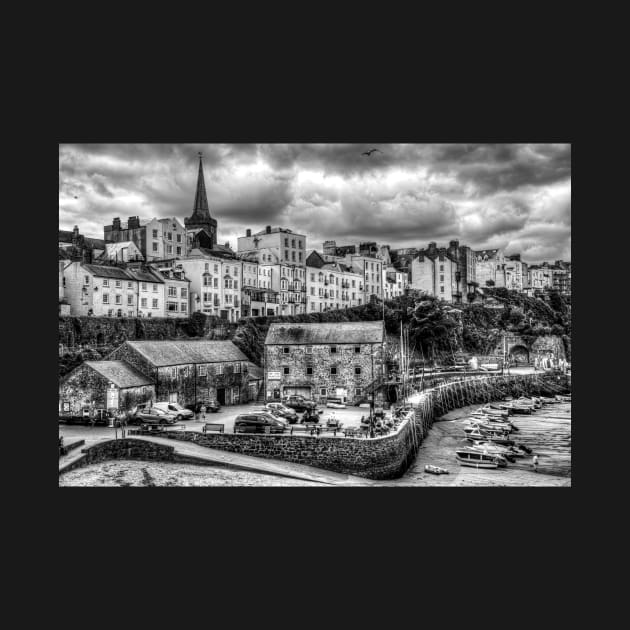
x=386 y=457
x=345 y=359
x=549 y=343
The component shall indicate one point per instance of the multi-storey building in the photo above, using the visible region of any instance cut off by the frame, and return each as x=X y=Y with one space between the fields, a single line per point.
x=281 y=255
x=539 y=278
x=258 y=298
x=394 y=282
x=446 y=272
x=215 y=282
x=490 y=267
x=366 y=259
x=158 y=239
x=331 y=285
x=81 y=248
x=341 y=360
x=101 y=291
x=402 y=259
x=122 y=252
x=515 y=273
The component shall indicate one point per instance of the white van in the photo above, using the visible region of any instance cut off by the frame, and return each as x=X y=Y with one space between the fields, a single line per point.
x=180 y=412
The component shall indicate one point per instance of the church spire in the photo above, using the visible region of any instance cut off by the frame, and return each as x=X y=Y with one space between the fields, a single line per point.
x=201 y=212
x=200 y=218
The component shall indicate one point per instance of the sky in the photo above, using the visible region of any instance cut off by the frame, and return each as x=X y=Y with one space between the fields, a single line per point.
x=514 y=196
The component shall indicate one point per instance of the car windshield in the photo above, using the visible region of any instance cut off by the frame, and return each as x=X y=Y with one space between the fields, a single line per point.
x=177 y=406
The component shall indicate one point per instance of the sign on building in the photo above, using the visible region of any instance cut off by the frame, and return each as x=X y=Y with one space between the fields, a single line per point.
x=273 y=376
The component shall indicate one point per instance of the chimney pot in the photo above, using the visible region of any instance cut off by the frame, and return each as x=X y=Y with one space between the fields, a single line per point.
x=268 y=229
x=248 y=233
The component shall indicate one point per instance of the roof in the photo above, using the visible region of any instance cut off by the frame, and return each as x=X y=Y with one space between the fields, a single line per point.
x=106 y=271
x=65 y=236
x=120 y=373
x=327 y=333
x=161 y=353
x=146 y=275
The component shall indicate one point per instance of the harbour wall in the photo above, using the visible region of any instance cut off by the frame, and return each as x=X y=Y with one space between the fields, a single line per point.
x=386 y=457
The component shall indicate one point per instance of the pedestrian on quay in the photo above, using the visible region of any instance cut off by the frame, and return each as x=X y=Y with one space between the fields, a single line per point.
x=535 y=463
x=202 y=410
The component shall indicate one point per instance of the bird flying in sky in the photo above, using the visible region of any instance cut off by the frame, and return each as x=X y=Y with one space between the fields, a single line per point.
x=369 y=153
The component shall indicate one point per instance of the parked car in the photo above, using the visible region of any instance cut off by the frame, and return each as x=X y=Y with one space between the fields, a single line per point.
x=299 y=403
x=282 y=411
x=152 y=415
x=210 y=405
x=335 y=403
x=258 y=422
x=181 y=413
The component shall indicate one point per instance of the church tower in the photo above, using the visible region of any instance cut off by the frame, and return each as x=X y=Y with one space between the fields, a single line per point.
x=200 y=218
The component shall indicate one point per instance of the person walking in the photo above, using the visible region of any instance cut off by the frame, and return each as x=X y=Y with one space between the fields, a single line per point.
x=535 y=463
x=202 y=410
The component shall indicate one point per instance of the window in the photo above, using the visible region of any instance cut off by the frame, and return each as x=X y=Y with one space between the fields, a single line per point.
x=129 y=285
x=237 y=368
x=300 y=244
x=179 y=238
x=228 y=283
x=130 y=313
x=143 y=302
x=333 y=370
x=312 y=290
x=183 y=372
x=218 y=369
x=184 y=293
x=155 y=288
x=286 y=350
x=286 y=255
x=357 y=349
x=207 y=281
x=286 y=242
x=441 y=278
x=309 y=350
x=293 y=243
x=86 y=280
x=441 y=289
x=110 y=312
x=216 y=269
x=130 y=300
x=183 y=307
x=203 y=370
x=309 y=370
x=155 y=247
x=171 y=307
x=215 y=283
x=155 y=303
x=179 y=251
x=105 y=283
x=293 y=256
x=118 y=284
x=285 y=370
x=207 y=267
x=155 y=233
x=236 y=284
x=169 y=236
x=333 y=349
x=357 y=391
x=173 y=372
x=169 y=249
x=322 y=391
x=353 y=284
x=357 y=370
x=105 y=298
x=172 y=292
x=441 y=267
x=353 y=296
x=144 y=286
x=119 y=299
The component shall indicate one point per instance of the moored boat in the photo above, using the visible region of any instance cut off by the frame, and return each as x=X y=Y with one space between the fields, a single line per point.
x=475 y=459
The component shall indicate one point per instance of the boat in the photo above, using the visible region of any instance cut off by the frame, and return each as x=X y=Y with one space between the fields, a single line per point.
x=487 y=436
x=502 y=413
x=490 y=426
x=475 y=459
x=435 y=470
x=490 y=447
x=561 y=398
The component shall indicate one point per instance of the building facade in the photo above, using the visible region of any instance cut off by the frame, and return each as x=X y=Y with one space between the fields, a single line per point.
x=515 y=273
x=103 y=385
x=320 y=361
x=188 y=372
x=490 y=267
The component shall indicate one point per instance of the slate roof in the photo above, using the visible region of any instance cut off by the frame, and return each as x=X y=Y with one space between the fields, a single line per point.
x=162 y=353
x=325 y=334
x=120 y=373
x=146 y=275
x=105 y=271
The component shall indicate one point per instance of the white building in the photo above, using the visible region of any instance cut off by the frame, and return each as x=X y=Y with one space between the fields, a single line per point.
x=490 y=267
x=124 y=251
x=394 y=282
x=515 y=273
x=331 y=285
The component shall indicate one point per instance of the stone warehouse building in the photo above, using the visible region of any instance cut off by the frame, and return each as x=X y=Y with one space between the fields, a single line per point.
x=111 y=385
x=190 y=371
x=319 y=361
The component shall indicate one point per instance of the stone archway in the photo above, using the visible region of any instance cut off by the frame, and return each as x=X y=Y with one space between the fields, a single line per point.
x=519 y=354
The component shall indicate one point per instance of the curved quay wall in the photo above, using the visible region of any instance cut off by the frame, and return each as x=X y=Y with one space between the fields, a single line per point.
x=386 y=457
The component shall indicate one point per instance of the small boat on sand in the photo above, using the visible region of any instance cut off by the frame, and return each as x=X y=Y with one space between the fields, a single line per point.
x=475 y=459
x=435 y=470
x=486 y=435
x=561 y=398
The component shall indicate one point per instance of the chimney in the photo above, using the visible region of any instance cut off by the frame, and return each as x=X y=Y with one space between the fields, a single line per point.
x=268 y=229
x=75 y=235
x=116 y=224
x=133 y=223
x=453 y=244
x=248 y=232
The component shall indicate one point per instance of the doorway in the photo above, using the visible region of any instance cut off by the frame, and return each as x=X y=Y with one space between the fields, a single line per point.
x=221 y=395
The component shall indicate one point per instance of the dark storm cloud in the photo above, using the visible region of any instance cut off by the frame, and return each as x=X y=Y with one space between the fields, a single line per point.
x=405 y=194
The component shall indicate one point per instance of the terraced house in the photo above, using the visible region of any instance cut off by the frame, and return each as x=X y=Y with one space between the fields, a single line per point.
x=319 y=361
x=190 y=371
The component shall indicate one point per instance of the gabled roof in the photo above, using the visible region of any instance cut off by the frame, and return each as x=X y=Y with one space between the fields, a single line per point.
x=146 y=275
x=314 y=259
x=120 y=373
x=325 y=333
x=106 y=271
x=162 y=353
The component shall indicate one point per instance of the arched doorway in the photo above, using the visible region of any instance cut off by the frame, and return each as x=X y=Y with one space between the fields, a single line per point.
x=519 y=355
